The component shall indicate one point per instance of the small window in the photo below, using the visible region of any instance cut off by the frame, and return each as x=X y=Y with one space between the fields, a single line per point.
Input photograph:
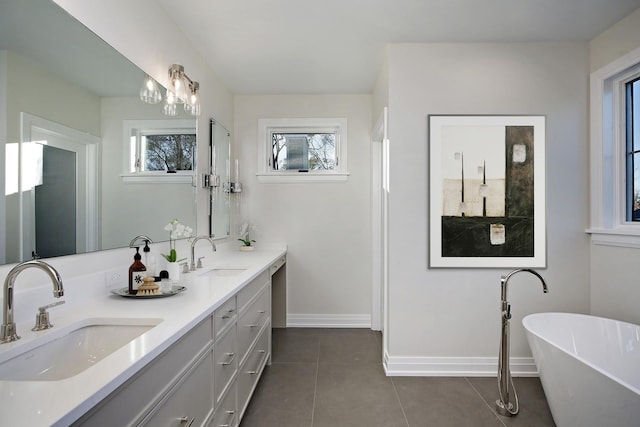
x=632 y=132
x=160 y=150
x=303 y=151
x=294 y=150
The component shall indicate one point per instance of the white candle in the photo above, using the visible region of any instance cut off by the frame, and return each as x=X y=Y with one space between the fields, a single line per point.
x=237 y=172
x=213 y=160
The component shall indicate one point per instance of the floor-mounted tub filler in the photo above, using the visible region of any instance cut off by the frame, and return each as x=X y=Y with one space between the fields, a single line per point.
x=506 y=390
x=589 y=368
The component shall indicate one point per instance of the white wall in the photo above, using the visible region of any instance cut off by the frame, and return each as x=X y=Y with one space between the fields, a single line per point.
x=327 y=226
x=615 y=271
x=451 y=313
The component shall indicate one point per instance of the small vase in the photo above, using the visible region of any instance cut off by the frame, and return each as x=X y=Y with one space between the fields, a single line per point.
x=174 y=271
x=246 y=248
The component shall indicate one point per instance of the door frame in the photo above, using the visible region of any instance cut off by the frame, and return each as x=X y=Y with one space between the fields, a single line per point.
x=379 y=179
x=87 y=215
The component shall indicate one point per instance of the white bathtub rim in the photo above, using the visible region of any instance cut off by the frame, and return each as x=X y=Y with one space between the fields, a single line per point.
x=575 y=356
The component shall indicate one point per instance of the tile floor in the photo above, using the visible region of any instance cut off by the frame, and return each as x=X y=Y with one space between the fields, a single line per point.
x=334 y=378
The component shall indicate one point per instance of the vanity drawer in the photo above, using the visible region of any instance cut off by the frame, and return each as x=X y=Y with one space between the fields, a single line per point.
x=252 y=320
x=226 y=361
x=247 y=293
x=252 y=369
x=224 y=316
x=226 y=414
x=190 y=401
x=133 y=399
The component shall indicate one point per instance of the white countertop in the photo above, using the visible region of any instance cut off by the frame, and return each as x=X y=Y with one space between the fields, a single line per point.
x=44 y=403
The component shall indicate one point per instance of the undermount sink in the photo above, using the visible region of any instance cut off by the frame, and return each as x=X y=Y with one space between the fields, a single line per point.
x=86 y=344
x=225 y=272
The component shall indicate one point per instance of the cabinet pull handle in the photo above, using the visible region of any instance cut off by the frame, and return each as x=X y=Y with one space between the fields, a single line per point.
x=229 y=313
x=256 y=323
x=255 y=371
x=186 y=421
x=232 y=417
x=231 y=356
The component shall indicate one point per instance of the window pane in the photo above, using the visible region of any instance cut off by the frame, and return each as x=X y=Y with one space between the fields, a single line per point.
x=632 y=130
x=171 y=152
x=296 y=151
x=635 y=214
x=635 y=94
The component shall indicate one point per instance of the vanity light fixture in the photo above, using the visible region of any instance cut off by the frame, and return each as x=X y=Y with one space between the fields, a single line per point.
x=181 y=90
x=150 y=92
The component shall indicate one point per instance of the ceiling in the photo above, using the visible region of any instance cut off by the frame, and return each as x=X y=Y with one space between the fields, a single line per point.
x=337 y=46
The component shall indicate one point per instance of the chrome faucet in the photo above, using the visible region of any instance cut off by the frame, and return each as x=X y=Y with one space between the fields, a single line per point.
x=505 y=280
x=8 y=332
x=503 y=405
x=193 y=245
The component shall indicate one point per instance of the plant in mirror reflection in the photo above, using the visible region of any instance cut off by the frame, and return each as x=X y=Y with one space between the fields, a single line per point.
x=176 y=230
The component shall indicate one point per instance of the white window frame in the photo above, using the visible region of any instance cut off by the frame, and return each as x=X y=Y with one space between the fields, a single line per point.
x=147 y=127
x=301 y=125
x=609 y=225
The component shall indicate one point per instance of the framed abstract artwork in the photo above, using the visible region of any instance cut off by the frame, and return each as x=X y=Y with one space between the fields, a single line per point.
x=487 y=191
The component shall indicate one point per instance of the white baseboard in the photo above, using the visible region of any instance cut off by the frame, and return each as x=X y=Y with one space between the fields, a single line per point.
x=328 y=321
x=455 y=366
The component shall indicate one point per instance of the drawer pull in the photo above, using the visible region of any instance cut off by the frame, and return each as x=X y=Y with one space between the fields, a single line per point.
x=257 y=321
x=229 y=313
x=231 y=357
x=232 y=417
x=186 y=421
x=255 y=371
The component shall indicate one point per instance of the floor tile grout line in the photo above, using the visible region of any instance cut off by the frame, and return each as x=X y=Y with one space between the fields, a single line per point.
x=488 y=404
x=315 y=386
x=395 y=390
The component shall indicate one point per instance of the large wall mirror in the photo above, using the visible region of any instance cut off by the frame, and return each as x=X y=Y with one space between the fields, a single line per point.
x=69 y=108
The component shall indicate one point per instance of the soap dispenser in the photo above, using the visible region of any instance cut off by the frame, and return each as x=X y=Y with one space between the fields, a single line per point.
x=137 y=272
x=149 y=259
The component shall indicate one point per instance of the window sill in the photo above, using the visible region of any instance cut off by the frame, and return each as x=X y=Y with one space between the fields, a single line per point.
x=164 y=178
x=294 y=177
x=621 y=236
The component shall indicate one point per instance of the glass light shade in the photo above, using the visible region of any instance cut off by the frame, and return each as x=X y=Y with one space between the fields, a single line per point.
x=150 y=92
x=169 y=107
x=192 y=106
x=177 y=83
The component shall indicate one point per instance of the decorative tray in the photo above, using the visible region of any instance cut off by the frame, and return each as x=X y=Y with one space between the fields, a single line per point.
x=124 y=292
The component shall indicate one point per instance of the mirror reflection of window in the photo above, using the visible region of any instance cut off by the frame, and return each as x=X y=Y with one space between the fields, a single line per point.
x=168 y=152
x=161 y=146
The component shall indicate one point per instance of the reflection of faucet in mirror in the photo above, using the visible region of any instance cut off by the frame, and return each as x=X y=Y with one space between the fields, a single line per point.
x=193 y=245
x=9 y=332
x=140 y=238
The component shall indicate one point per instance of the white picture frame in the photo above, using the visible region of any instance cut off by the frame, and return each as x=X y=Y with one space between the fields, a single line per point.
x=487 y=191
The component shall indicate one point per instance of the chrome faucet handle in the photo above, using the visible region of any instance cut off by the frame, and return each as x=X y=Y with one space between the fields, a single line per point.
x=199 y=262
x=185 y=267
x=42 y=318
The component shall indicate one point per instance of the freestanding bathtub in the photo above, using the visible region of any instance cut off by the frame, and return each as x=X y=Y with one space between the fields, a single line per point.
x=589 y=368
